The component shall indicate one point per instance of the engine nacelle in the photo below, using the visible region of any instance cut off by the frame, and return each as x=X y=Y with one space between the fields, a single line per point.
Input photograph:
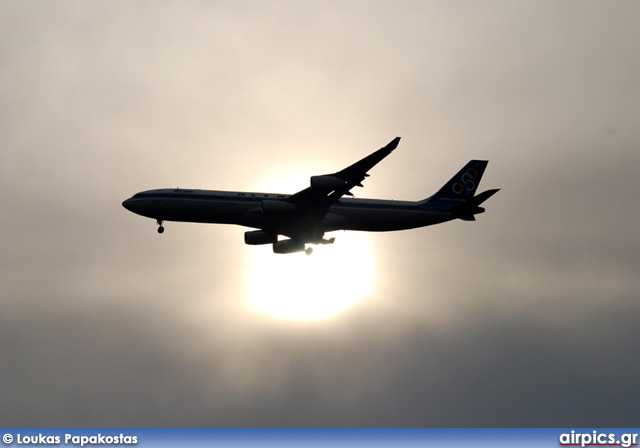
x=257 y=237
x=270 y=207
x=326 y=182
x=288 y=247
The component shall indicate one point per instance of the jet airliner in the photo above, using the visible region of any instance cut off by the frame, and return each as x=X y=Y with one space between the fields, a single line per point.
x=304 y=217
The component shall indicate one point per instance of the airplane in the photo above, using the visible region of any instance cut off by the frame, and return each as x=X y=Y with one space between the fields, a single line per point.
x=304 y=217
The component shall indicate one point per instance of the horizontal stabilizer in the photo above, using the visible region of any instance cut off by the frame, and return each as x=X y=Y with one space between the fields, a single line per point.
x=468 y=207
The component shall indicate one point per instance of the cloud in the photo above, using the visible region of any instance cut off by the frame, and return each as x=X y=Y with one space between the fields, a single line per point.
x=117 y=369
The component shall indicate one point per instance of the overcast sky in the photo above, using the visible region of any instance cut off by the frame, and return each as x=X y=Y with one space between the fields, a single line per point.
x=527 y=317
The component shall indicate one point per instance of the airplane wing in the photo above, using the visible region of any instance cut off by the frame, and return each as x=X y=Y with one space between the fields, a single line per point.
x=300 y=215
x=313 y=203
x=327 y=189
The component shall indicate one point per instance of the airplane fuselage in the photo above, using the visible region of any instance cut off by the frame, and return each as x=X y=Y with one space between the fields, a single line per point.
x=245 y=209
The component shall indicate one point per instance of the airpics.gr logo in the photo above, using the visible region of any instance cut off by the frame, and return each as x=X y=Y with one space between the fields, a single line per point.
x=596 y=438
x=466 y=182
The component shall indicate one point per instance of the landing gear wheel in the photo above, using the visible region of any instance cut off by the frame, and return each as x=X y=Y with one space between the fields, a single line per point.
x=160 y=229
x=308 y=251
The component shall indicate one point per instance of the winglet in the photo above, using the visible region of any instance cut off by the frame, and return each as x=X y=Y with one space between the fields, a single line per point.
x=393 y=144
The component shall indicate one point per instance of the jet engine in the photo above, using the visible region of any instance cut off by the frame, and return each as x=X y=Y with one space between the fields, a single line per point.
x=270 y=207
x=326 y=182
x=257 y=237
x=288 y=247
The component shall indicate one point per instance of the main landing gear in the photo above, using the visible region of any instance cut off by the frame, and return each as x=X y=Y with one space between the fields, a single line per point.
x=160 y=226
x=309 y=250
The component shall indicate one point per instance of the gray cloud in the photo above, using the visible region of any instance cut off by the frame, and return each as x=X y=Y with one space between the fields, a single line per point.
x=491 y=370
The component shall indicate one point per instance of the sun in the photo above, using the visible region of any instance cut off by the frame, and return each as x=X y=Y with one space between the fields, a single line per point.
x=317 y=287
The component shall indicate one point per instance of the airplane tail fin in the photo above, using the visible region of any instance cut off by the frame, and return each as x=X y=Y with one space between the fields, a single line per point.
x=463 y=185
x=458 y=195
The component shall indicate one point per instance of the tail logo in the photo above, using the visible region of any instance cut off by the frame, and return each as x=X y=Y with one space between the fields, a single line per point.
x=466 y=182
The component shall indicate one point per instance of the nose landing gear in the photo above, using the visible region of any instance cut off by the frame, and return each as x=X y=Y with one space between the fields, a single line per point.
x=160 y=226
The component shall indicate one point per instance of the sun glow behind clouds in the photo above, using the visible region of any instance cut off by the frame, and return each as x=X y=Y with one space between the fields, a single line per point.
x=295 y=286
